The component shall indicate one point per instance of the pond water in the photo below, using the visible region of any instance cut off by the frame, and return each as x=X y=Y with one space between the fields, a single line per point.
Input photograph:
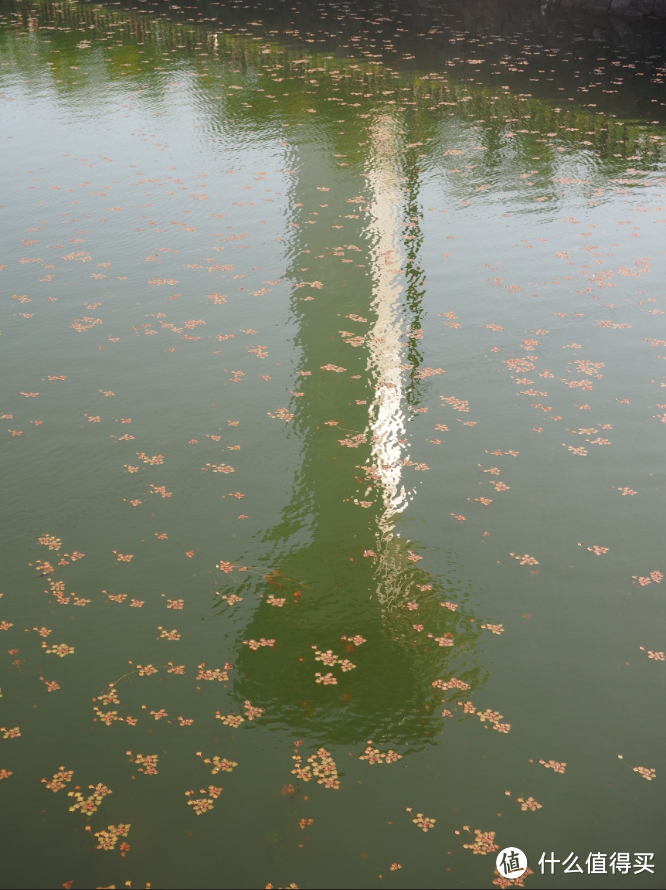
x=354 y=575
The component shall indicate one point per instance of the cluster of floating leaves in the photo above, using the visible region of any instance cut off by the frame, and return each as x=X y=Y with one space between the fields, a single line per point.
x=258 y=644
x=220 y=764
x=168 y=634
x=89 y=805
x=13 y=733
x=446 y=640
x=235 y=720
x=281 y=414
x=483 y=843
x=59 y=780
x=453 y=683
x=374 y=755
x=60 y=649
x=212 y=675
x=493 y=628
x=202 y=805
x=145 y=764
x=525 y=560
x=319 y=766
x=107 y=839
x=357 y=640
x=554 y=765
x=643 y=581
x=272 y=600
x=327 y=679
x=425 y=823
x=504 y=883
x=528 y=804
x=329 y=659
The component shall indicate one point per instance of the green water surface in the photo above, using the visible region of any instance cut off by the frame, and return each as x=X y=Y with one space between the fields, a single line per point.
x=330 y=327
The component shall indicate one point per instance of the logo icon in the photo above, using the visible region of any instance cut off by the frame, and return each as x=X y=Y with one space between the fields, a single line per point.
x=511 y=863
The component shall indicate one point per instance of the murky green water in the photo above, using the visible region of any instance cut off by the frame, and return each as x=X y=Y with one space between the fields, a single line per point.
x=330 y=328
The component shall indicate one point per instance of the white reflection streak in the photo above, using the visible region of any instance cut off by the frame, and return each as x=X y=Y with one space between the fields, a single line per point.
x=386 y=416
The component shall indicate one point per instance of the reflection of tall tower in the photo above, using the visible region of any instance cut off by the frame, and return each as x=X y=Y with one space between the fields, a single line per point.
x=384 y=344
x=346 y=497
